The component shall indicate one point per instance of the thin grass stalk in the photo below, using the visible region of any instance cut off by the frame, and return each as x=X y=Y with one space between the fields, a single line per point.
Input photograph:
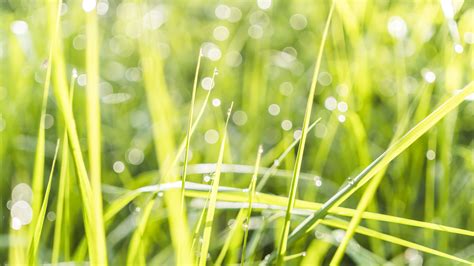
x=299 y=157
x=213 y=197
x=93 y=125
x=63 y=186
x=35 y=240
x=188 y=133
x=383 y=160
x=251 y=189
x=38 y=165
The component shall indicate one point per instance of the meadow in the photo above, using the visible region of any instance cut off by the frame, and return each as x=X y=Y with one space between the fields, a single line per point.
x=146 y=132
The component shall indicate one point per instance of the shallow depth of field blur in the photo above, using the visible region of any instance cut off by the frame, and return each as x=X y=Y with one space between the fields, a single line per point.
x=386 y=65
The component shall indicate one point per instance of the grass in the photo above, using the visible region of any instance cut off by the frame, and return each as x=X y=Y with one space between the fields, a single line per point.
x=358 y=153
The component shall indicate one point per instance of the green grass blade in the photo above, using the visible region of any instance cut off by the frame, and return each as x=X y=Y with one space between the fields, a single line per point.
x=93 y=125
x=188 y=133
x=63 y=187
x=269 y=172
x=394 y=240
x=273 y=200
x=213 y=197
x=38 y=165
x=299 y=157
x=251 y=189
x=383 y=160
x=34 y=241
x=93 y=224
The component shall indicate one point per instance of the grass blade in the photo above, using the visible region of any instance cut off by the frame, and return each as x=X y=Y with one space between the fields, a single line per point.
x=299 y=157
x=188 y=133
x=394 y=240
x=213 y=197
x=269 y=172
x=63 y=187
x=34 y=241
x=38 y=165
x=383 y=160
x=93 y=126
x=251 y=189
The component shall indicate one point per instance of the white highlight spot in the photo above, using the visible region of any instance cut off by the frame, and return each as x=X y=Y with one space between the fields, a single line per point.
x=298 y=21
x=430 y=155
x=342 y=107
x=82 y=80
x=19 y=27
x=286 y=125
x=429 y=76
x=264 y=4
x=211 y=136
x=222 y=12
x=119 y=167
x=239 y=118
x=341 y=118
x=16 y=223
x=297 y=134
x=22 y=210
x=458 y=48
x=207 y=83
x=274 y=109
x=330 y=103
x=397 y=27
x=216 y=102
x=135 y=156
x=88 y=5
x=221 y=33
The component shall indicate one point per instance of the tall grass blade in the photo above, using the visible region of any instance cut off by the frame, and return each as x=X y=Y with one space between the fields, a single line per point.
x=38 y=165
x=251 y=189
x=34 y=241
x=63 y=187
x=299 y=157
x=383 y=160
x=93 y=124
x=93 y=224
x=394 y=240
x=188 y=133
x=213 y=197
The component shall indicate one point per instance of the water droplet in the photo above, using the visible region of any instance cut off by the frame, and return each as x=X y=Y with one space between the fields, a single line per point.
x=264 y=4
x=88 y=5
x=135 y=156
x=207 y=83
x=16 y=223
x=118 y=167
x=330 y=103
x=341 y=118
x=298 y=21
x=274 y=109
x=216 y=102
x=19 y=27
x=428 y=75
x=22 y=210
x=297 y=134
x=286 y=125
x=342 y=107
x=397 y=27
x=239 y=118
x=207 y=178
x=430 y=155
x=276 y=163
x=221 y=33
x=222 y=12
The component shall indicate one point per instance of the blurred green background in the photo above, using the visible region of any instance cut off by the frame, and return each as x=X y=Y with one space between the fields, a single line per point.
x=383 y=60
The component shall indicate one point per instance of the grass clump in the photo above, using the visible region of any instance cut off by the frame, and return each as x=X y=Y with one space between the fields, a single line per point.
x=151 y=170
